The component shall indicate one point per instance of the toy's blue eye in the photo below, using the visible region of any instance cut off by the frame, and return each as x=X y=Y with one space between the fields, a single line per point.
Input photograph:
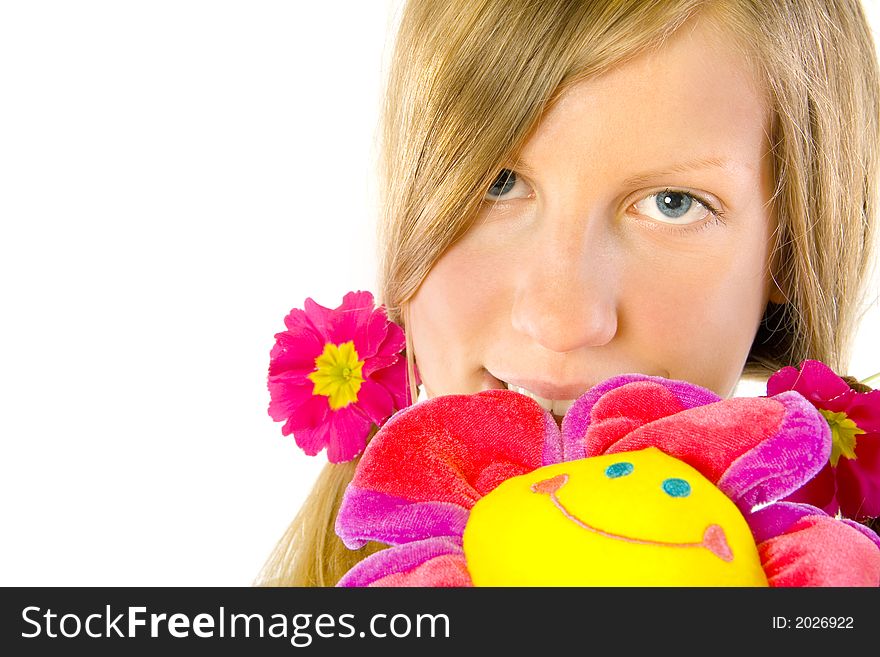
x=616 y=470
x=677 y=487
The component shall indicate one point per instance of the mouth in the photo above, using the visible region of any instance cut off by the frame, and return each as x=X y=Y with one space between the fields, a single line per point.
x=556 y=407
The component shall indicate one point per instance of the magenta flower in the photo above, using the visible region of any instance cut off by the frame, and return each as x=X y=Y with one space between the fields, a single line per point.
x=333 y=374
x=850 y=481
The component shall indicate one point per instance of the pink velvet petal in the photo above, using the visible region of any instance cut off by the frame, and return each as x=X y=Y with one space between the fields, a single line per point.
x=820 y=551
x=401 y=559
x=448 y=570
x=708 y=438
x=369 y=516
x=862 y=529
x=581 y=415
x=793 y=446
x=777 y=519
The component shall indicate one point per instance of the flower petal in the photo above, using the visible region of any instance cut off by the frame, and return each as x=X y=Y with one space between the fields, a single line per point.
x=375 y=402
x=310 y=440
x=447 y=570
x=370 y=516
x=821 y=551
x=820 y=380
x=782 y=380
x=371 y=333
x=309 y=415
x=864 y=410
x=294 y=351
x=792 y=443
x=455 y=448
x=818 y=491
x=858 y=480
x=622 y=412
x=393 y=379
x=349 y=429
x=777 y=519
x=407 y=559
x=287 y=394
x=297 y=320
x=345 y=322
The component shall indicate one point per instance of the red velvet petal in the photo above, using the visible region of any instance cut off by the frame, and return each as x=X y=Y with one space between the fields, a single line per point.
x=709 y=438
x=622 y=410
x=453 y=448
x=820 y=551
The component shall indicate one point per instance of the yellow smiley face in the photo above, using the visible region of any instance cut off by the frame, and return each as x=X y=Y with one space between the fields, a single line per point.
x=631 y=519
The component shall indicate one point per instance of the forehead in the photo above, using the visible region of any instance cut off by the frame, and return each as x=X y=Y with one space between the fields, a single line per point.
x=695 y=96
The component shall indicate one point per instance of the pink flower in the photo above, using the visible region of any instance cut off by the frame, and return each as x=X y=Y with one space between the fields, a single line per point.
x=333 y=374
x=850 y=481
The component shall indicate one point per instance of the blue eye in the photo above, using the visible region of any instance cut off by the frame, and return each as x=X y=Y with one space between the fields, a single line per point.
x=676 y=487
x=503 y=183
x=616 y=470
x=673 y=204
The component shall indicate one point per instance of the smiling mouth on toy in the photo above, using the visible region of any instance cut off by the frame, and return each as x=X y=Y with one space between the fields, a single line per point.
x=713 y=540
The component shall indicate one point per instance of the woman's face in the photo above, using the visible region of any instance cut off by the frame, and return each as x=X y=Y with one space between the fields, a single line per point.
x=633 y=235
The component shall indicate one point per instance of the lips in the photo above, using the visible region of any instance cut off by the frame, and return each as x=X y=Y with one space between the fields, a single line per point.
x=558 y=407
x=556 y=399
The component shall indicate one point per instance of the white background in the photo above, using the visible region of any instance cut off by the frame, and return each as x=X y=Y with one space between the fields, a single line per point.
x=174 y=177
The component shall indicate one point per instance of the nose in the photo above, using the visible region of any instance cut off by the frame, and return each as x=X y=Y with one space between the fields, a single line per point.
x=566 y=298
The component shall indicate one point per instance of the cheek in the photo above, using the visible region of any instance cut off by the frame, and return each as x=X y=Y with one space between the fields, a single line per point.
x=455 y=311
x=699 y=312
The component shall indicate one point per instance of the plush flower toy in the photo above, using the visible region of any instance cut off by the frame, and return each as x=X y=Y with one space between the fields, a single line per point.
x=649 y=481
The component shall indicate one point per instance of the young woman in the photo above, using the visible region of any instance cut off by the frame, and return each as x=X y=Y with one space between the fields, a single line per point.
x=574 y=190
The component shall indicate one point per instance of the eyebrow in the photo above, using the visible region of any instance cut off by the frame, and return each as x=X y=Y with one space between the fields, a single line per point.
x=681 y=167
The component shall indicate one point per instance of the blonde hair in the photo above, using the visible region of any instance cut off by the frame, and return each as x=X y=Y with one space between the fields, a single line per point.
x=469 y=82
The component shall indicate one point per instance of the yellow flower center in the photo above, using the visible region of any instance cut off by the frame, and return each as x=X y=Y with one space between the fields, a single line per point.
x=338 y=374
x=843 y=435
